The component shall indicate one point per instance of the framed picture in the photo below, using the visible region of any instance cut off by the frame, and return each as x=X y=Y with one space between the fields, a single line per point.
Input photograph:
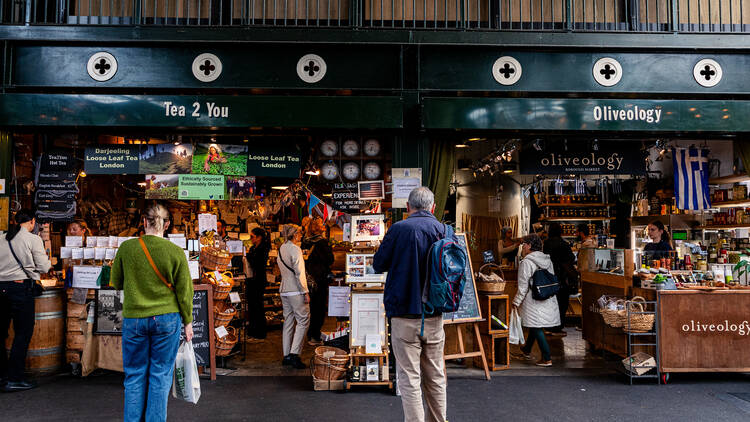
x=108 y=312
x=359 y=269
x=367 y=227
x=368 y=317
x=371 y=190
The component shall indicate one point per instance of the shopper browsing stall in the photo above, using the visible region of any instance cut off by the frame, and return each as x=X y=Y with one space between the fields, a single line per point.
x=586 y=240
x=158 y=300
x=318 y=265
x=22 y=261
x=255 y=284
x=536 y=315
x=295 y=297
x=419 y=353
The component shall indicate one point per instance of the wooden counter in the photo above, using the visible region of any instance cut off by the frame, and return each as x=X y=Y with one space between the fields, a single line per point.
x=703 y=331
x=597 y=334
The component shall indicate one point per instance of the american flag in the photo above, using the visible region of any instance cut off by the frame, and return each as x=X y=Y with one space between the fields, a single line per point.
x=691 y=178
x=371 y=190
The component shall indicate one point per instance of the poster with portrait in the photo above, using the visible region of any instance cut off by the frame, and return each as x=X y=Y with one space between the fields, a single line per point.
x=220 y=159
x=242 y=187
x=162 y=186
x=108 y=312
x=368 y=227
x=165 y=159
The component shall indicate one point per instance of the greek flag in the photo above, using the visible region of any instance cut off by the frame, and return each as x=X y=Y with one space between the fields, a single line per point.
x=691 y=178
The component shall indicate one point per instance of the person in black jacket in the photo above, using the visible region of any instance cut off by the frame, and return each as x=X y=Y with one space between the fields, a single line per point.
x=563 y=261
x=255 y=287
x=318 y=265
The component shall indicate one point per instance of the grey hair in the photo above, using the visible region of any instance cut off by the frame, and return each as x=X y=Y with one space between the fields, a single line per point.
x=156 y=215
x=421 y=198
x=289 y=230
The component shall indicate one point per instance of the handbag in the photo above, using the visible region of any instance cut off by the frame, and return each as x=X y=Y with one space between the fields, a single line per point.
x=37 y=288
x=310 y=280
x=246 y=268
x=544 y=285
x=153 y=265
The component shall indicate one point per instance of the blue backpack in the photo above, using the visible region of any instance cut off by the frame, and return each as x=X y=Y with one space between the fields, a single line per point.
x=446 y=275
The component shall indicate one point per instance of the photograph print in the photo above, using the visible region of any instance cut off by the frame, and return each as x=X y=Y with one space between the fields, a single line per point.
x=166 y=159
x=241 y=187
x=368 y=227
x=108 y=312
x=220 y=159
x=162 y=186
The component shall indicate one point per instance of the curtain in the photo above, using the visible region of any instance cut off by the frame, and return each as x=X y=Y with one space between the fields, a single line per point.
x=742 y=149
x=6 y=158
x=442 y=157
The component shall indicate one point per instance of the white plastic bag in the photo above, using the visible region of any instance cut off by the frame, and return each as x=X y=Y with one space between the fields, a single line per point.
x=516 y=331
x=186 y=384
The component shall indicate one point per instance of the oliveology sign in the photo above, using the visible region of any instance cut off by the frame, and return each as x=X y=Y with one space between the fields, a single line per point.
x=609 y=158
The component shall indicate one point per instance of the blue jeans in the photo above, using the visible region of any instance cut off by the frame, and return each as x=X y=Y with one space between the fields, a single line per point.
x=149 y=349
x=538 y=335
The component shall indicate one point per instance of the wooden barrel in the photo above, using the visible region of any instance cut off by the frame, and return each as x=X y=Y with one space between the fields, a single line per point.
x=46 y=353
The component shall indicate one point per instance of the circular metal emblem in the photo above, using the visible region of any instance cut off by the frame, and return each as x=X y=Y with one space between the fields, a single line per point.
x=707 y=72
x=206 y=67
x=311 y=68
x=506 y=70
x=607 y=71
x=102 y=66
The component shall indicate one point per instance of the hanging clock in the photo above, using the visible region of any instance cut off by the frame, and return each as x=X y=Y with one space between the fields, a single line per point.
x=350 y=148
x=329 y=171
x=350 y=171
x=372 y=147
x=372 y=171
x=329 y=148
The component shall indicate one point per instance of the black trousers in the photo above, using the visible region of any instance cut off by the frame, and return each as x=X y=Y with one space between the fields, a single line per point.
x=256 y=315
x=563 y=301
x=318 y=310
x=16 y=304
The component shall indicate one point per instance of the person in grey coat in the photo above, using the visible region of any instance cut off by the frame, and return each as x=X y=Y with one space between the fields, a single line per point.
x=535 y=314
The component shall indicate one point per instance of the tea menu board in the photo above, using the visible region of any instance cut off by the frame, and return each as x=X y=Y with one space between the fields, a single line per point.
x=55 y=187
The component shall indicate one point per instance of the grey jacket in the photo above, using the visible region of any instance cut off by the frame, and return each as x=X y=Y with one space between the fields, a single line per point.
x=292 y=281
x=29 y=249
x=535 y=313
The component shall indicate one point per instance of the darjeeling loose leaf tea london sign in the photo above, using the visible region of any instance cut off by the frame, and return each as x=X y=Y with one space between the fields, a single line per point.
x=112 y=159
x=273 y=161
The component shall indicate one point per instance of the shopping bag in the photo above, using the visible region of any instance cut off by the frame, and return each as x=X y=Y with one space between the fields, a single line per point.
x=516 y=330
x=186 y=384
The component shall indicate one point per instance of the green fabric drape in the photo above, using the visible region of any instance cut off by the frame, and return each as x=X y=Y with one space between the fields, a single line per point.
x=742 y=149
x=6 y=157
x=442 y=157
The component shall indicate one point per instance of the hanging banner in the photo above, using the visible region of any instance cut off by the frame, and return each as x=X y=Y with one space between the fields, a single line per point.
x=200 y=186
x=166 y=159
x=111 y=159
x=220 y=159
x=162 y=186
x=581 y=158
x=273 y=160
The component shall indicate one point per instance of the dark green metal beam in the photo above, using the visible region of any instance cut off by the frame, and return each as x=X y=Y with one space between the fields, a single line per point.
x=522 y=39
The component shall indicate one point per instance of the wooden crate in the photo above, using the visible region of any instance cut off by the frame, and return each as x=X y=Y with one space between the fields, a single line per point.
x=497 y=305
x=497 y=350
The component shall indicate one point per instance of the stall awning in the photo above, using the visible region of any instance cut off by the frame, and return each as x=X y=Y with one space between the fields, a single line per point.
x=197 y=111
x=577 y=114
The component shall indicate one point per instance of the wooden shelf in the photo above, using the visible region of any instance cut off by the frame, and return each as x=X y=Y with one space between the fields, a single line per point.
x=730 y=227
x=576 y=205
x=730 y=204
x=577 y=219
x=726 y=180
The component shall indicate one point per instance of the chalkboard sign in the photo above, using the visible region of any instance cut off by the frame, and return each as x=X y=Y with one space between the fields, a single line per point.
x=203 y=328
x=468 y=308
x=55 y=188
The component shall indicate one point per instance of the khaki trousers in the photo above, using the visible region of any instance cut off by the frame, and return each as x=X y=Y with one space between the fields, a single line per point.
x=295 y=310
x=420 y=367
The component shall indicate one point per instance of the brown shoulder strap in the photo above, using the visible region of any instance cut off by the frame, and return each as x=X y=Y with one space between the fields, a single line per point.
x=153 y=265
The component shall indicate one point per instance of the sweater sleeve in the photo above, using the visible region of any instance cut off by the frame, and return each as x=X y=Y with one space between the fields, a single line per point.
x=115 y=276
x=41 y=261
x=183 y=288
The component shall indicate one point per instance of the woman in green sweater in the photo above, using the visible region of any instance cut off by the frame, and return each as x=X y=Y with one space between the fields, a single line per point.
x=158 y=301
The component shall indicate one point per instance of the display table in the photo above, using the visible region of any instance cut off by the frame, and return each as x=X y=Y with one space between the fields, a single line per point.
x=701 y=331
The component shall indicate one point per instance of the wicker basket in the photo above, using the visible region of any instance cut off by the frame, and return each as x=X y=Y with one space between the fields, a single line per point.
x=329 y=363
x=613 y=318
x=225 y=345
x=223 y=317
x=639 y=323
x=214 y=259
x=490 y=287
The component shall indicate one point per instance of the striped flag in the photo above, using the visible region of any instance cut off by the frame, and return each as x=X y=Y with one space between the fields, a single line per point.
x=691 y=178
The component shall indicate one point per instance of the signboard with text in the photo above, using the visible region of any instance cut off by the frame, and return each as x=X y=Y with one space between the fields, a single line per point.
x=580 y=158
x=273 y=161
x=112 y=159
x=201 y=186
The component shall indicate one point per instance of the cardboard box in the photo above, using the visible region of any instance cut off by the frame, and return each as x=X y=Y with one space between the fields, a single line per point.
x=639 y=363
x=325 y=385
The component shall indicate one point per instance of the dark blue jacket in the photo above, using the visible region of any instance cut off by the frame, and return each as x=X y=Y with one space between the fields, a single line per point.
x=403 y=254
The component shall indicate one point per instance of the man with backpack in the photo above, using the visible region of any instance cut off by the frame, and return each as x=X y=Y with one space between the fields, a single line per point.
x=417 y=342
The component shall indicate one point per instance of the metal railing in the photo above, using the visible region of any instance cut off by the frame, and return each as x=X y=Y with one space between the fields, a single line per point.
x=512 y=15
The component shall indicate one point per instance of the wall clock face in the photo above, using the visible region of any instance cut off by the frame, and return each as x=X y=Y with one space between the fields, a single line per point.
x=329 y=148
x=350 y=148
x=372 y=147
x=350 y=171
x=372 y=171
x=330 y=171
